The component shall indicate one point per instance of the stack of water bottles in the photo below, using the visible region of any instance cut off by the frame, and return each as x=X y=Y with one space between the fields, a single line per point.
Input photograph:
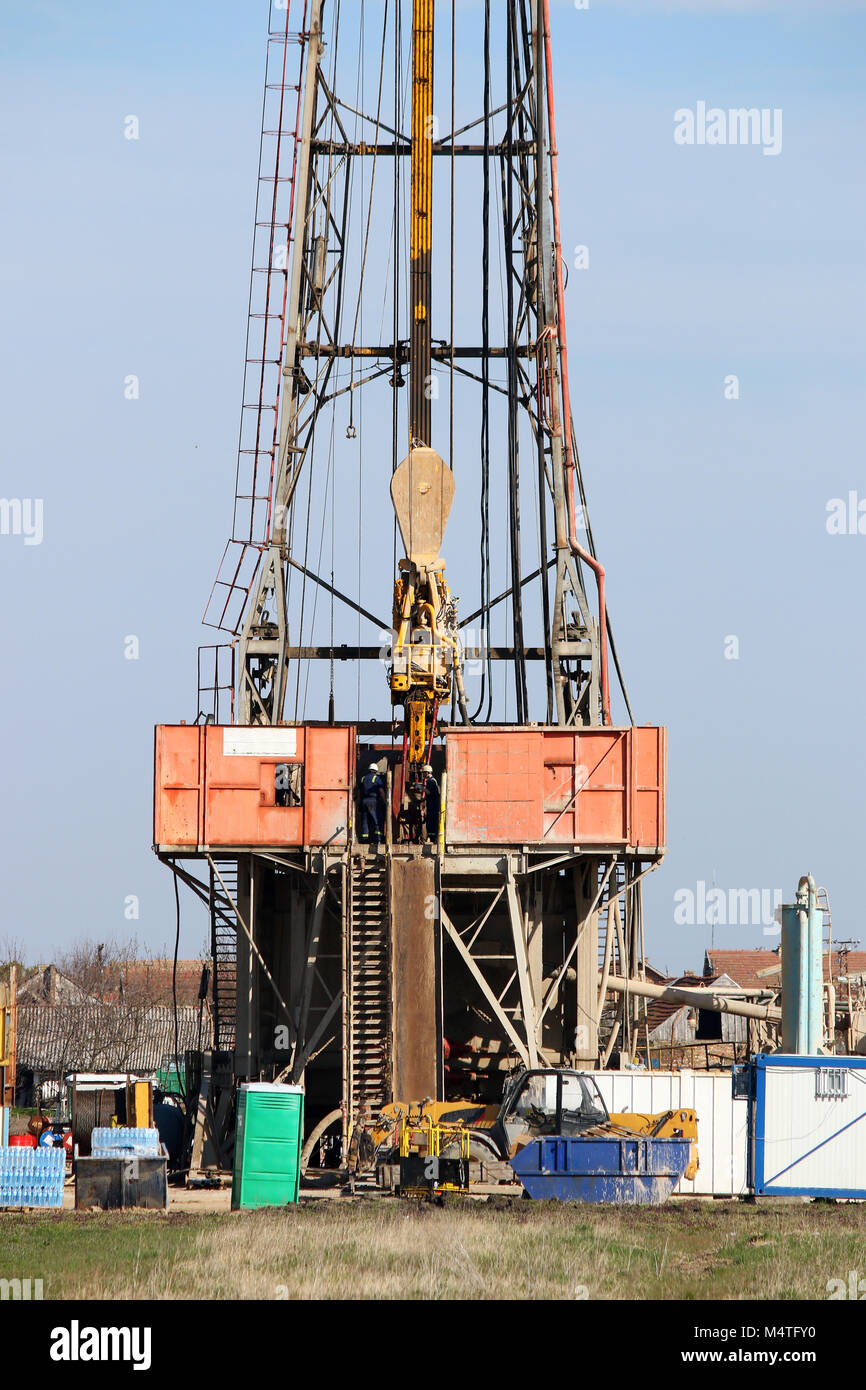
x=124 y=1142
x=32 y=1177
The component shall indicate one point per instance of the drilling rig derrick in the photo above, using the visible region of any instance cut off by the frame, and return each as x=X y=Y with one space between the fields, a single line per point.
x=402 y=948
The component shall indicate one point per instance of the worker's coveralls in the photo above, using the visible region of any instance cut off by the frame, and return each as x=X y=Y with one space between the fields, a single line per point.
x=432 y=804
x=372 y=807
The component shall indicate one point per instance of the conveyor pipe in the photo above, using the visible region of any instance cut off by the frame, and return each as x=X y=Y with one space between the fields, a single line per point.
x=712 y=1000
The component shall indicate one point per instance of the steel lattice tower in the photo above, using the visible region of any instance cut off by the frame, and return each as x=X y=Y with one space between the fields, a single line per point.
x=391 y=193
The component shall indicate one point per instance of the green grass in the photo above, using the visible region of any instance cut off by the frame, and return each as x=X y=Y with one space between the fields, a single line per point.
x=390 y=1249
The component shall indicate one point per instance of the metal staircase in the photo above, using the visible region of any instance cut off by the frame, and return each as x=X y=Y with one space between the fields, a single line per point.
x=368 y=988
x=224 y=946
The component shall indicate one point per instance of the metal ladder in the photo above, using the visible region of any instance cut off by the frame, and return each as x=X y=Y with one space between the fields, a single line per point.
x=266 y=322
x=368 y=988
x=224 y=945
x=615 y=888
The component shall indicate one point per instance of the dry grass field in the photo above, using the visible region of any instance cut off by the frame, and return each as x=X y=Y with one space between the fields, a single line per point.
x=387 y=1249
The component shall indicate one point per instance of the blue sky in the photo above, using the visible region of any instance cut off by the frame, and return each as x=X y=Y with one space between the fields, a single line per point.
x=121 y=257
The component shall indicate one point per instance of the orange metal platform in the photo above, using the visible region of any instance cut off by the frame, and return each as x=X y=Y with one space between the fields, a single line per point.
x=215 y=786
x=589 y=786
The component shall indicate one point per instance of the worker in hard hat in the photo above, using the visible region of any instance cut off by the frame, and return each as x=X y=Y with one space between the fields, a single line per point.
x=373 y=795
x=432 y=802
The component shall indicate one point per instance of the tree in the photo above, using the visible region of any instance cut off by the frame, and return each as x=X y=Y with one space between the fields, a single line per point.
x=13 y=951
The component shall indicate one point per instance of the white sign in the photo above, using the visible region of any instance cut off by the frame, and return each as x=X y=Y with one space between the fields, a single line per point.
x=264 y=742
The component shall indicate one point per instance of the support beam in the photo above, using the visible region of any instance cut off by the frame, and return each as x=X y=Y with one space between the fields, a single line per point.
x=553 y=992
x=527 y=1003
x=507 y=1026
x=301 y=1048
x=586 y=898
x=345 y=652
x=437 y=147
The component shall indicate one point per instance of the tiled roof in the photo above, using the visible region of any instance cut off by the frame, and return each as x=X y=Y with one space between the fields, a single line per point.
x=150 y=980
x=660 y=1010
x=140 y=983
x=745 y=966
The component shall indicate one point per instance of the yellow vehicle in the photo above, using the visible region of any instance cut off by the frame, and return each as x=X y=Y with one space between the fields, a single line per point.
x=537 y=1102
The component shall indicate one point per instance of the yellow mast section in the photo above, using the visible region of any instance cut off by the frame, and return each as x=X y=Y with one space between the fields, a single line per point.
x=420 y=233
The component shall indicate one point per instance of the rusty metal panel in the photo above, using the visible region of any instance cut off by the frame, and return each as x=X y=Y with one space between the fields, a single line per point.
x=177 y=785
x=240 y=786
x=588 y=786
x=329 y=776
x=562 y=780
x=649 y=808
x=216 y=785
x=495 y=781
x=417 y=1044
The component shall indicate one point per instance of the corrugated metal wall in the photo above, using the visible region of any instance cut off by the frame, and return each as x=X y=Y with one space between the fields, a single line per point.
x=723 y=1122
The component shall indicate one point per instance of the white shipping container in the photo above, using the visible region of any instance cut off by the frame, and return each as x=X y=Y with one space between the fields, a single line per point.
x=723 y=1120
x=809 y=1119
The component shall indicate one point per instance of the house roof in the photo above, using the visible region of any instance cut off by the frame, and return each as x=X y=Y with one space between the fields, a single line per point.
x=142 y=983
x=103 y=1037
x=48 y=986
x=660 y=1010
x=151 y=981
x=746 y=966
x=656 y=977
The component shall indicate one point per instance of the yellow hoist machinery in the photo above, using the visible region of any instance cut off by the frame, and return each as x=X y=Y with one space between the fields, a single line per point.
x=426 y=670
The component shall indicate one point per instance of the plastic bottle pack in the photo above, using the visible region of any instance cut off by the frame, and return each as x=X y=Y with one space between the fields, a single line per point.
x=32 y=1177
x=124 y=1142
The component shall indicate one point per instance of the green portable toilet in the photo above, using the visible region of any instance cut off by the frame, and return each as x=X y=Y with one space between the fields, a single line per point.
x=268 y=1140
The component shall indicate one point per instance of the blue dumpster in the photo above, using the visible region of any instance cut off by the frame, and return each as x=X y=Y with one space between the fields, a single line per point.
x=635 y=1172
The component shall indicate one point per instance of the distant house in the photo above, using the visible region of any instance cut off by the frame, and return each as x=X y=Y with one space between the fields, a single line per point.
x=756 y=969
x=685 y=1035
x=672 y=1023
x=683 y=1024
x=762 y=969
x=153 y=979
x=61 y=1028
